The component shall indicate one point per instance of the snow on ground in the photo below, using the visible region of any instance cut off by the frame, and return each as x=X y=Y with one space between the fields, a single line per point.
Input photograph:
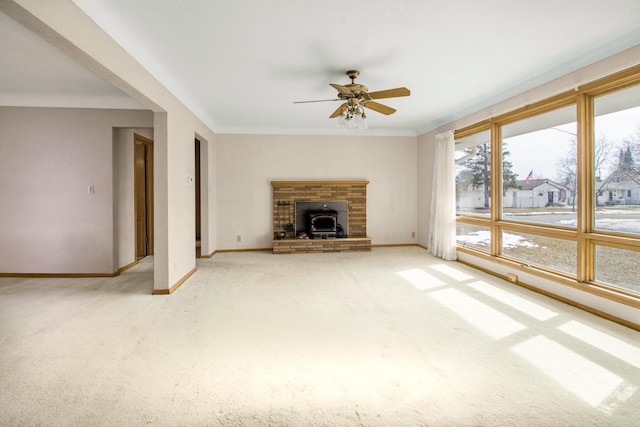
x=483 y=238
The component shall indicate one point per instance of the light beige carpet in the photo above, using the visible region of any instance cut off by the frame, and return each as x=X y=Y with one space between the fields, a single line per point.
x=388 y=338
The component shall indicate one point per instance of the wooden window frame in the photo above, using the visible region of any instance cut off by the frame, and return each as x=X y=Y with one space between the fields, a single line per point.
x=585 y=235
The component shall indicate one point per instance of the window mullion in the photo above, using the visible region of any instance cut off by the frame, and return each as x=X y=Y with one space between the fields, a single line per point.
x=585 y=205
x=496 y=189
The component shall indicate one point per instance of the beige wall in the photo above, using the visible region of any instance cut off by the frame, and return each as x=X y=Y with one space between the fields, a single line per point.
x=49 y=222
x=246 y=165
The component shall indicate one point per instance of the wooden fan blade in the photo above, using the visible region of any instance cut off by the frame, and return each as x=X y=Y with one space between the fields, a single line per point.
x=319 y=100
x=342 y=89
x=339 y=111
x=378 y=107
x=390 y=93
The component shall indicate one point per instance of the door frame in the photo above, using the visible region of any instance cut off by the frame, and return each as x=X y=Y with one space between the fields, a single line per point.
x=207 y=222
x=148 y=143
x=198 y=196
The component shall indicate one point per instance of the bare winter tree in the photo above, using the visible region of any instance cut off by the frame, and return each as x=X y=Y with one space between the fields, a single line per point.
x=567 y=167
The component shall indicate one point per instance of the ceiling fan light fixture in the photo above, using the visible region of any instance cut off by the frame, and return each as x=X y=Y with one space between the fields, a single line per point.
x=361 y=120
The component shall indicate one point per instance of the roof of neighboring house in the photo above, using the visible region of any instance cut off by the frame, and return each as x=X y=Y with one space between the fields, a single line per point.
x=533 y=183
x=629 y=177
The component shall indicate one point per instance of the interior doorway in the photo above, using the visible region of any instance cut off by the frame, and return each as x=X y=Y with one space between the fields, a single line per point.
x=198 y=200
x=143 y=195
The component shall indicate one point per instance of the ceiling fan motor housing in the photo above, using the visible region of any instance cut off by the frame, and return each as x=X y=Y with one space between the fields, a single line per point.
x=357 y=89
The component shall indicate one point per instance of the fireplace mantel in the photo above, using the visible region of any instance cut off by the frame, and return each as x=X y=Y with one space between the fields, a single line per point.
x=286 y=193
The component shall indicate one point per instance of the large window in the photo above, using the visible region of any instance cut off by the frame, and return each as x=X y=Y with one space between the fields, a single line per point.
x=539 y=168
x=568 y=204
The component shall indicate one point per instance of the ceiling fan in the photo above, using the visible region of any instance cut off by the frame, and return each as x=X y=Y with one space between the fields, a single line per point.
x=357 y=96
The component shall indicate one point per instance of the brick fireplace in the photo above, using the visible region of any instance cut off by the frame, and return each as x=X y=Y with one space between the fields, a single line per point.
x=287 y=193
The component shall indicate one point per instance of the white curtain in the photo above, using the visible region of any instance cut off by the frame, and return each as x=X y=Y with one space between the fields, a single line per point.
x=442 y=230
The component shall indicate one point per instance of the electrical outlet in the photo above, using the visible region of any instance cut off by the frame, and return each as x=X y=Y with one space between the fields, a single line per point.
x=413 y=234
x=512 y=278
x=238 y=238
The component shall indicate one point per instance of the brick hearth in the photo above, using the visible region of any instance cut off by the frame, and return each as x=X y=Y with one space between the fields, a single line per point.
x=286 y=193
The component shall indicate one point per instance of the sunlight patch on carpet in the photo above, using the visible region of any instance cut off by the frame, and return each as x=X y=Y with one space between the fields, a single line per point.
x=585 y=379
x=487 y=319
x=519 y=303
x=421 y=279
x=614 y=346
x=451 y=272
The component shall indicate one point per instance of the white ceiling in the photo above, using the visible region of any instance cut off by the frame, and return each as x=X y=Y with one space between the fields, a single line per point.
x=239 y=65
